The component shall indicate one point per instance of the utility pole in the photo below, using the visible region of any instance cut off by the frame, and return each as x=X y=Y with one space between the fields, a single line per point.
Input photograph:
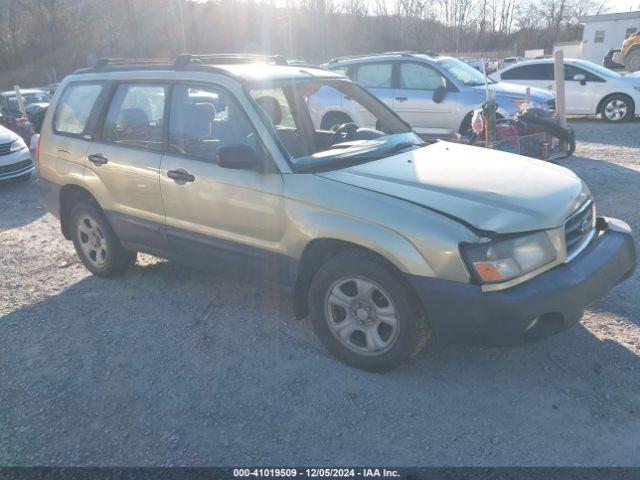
x=290 y=35
x=183 y=38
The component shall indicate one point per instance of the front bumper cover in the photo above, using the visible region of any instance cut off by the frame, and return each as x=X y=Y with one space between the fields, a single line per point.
x=461 y=313
x=10 y=165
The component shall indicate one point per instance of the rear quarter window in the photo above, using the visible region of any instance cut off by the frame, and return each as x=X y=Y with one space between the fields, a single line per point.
x=374 y=75
x=75 y=108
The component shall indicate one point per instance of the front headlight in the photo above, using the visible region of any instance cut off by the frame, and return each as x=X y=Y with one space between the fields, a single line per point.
x=18 y=144
x=504 y=259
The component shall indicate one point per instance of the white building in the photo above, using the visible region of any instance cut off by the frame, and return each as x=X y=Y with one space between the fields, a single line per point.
x=569 y=49
x=603 y=32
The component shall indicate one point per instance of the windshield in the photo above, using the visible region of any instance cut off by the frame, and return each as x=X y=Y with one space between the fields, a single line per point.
x=463 y=72
x=605 y=72
x=325 y=124
x=28 y=99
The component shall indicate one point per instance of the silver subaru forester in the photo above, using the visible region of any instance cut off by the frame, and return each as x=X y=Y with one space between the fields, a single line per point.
x=383 y=239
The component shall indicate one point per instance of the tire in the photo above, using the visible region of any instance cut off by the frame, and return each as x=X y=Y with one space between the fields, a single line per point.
x=332 y=119
x=354 y=285
x=96 y=243
x=632 y=60
x=563 y=134
x=465 y=126
x=617 y=108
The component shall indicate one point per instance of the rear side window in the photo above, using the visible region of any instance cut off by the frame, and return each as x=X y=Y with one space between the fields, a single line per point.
x=75 y=107
x=136 y=116
x=374 y=75
x=538 y=71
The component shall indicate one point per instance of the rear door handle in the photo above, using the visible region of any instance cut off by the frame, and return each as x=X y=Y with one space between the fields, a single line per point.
x=180 y=175
x=401 y=99
x=98 y=159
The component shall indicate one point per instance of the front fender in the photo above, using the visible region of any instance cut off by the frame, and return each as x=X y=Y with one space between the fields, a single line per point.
x=313 y=224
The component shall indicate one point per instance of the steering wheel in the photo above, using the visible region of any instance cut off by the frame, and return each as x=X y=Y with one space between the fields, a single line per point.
x=344 y=132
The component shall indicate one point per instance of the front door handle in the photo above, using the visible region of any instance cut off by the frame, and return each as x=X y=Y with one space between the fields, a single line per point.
x=402 y=99
x=180 y=175
x=98 y=159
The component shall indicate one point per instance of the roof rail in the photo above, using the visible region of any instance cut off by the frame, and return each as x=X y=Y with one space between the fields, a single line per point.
x=185 y=59
x=105 y=62
x=405 y=53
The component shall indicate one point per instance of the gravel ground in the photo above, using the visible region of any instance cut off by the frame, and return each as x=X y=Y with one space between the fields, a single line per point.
x=169 y=366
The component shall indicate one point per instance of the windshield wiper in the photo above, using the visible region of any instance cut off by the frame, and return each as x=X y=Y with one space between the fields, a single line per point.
x=397 y=148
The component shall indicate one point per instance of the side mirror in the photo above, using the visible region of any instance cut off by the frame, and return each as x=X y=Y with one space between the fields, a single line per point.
x=439 y=94
x=238 y=157
x=579 y=77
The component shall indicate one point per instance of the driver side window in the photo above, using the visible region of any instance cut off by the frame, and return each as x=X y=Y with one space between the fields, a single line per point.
x=414 y=76
x=203 y=119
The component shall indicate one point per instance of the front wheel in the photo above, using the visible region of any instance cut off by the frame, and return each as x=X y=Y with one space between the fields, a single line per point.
x=97 y=244
x=365 y=314
x=617 y=108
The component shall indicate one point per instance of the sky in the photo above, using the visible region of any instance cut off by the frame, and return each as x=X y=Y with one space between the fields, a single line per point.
x=616 y=6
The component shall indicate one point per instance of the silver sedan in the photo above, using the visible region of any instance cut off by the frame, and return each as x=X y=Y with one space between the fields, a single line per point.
x=436 y=95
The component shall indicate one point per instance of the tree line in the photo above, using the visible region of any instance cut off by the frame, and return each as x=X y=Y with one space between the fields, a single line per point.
x=43 y=40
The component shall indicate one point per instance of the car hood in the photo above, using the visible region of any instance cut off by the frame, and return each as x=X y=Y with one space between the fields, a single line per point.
x=7 y=136
x=512 y=90
x=490 y=190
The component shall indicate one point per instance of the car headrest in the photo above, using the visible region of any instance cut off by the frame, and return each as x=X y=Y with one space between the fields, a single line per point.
x=209 y=107
x=132 y=118
x=197 y=120
x=272 y=107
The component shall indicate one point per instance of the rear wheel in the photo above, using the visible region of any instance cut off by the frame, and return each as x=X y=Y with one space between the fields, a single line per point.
x=365 y=314
x=632 y=60
x=617 y=108
x=97 y=244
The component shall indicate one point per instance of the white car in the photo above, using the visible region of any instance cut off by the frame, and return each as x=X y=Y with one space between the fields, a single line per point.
x=15 y=157
x=590 y=89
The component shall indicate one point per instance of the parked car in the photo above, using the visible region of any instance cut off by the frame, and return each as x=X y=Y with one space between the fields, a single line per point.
x=15 y=158
x=512 y=61
x=489 y=66
x=33 y=99
x=590 y=89
x=436 y=95
x=629 y=54
x=383 y=239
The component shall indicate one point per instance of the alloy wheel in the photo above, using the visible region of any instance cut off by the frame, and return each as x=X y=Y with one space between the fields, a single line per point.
x=615 y=110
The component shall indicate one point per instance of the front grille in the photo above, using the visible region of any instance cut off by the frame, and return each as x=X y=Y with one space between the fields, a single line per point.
x=14 y=167
x=5 y=148
x=551 y=104
x=579 y=229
